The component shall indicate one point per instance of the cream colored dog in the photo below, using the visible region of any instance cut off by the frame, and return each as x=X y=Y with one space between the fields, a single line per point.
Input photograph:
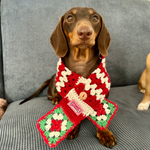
x=144 y=86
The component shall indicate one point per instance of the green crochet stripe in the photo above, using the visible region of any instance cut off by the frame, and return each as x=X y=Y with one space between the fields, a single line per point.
x=103 y=123
x=43 y=123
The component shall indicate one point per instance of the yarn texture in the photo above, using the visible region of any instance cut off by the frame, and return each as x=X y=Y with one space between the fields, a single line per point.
x=82 y=98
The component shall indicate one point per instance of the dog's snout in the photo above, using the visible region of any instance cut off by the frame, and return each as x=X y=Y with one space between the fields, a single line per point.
x=84 y=33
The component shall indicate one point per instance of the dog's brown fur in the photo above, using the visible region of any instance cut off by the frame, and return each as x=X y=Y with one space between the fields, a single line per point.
x=79 y=38
x=144 y=86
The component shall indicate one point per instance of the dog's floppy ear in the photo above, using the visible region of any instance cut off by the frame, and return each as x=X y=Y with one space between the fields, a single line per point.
x=103 y=40
x=58 y=40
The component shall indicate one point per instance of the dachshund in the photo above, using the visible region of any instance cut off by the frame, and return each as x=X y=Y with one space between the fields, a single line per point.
x=80 y=38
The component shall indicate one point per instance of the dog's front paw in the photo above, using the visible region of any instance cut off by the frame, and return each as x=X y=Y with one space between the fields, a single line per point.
x=143 y=106
x=142 y=91
x=55 y=99
x=106 y=138
x=73 y=134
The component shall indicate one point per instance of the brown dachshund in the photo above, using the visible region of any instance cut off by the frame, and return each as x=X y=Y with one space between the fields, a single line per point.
x=79 y=39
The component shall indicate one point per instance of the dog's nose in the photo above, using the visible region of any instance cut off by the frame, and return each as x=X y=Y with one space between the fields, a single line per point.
x=84 y=33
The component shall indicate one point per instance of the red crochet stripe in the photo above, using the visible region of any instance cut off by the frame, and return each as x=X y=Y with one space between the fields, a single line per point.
x=72 y=79
x=61 y=68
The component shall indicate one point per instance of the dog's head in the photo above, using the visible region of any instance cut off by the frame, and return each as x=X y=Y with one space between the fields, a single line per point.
x=80 y=28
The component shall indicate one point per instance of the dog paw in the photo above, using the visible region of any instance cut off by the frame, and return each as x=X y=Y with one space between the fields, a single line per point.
x=55 y=100
x=107 y=139
x=143 y=106
x=142 y=91
x=73 y=134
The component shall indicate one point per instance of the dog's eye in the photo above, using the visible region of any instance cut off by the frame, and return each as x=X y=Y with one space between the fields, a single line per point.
x=94 y=18
x=70 y=18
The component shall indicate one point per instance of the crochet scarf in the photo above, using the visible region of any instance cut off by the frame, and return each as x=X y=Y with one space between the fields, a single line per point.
x=82 y=98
